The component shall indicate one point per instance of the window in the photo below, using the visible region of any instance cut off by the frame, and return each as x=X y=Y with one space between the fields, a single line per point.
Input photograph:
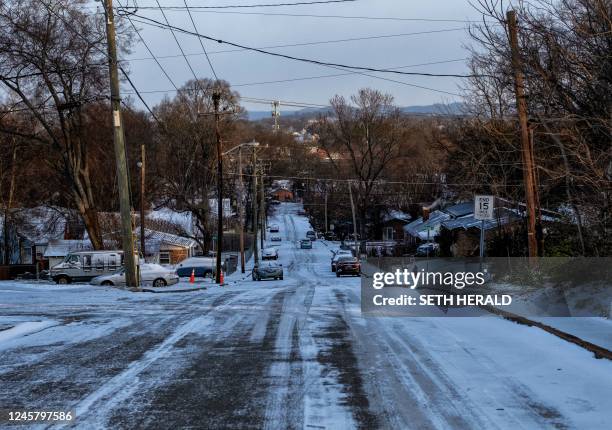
x=164 y=257
x=389 y=233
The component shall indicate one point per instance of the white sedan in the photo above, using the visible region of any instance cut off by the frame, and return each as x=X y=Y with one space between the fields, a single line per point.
x=151 y=274
x=269 y=254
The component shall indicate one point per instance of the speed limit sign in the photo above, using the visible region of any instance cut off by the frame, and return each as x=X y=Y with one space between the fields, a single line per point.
x=483 y=207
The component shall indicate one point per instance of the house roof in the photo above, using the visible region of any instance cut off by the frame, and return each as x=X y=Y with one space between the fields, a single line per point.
x=168 y=238
x=502 y=216
x=61 y=248
x=430 y=228
x=460 y=209
x=394 y=214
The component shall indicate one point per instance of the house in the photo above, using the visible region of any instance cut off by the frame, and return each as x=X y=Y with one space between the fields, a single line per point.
x=421 y=230
x=282 y=194
x=393 y=223
x=167 y=248
x=31 y=229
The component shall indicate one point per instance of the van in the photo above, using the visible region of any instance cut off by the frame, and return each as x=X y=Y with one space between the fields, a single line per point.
x=83 y=266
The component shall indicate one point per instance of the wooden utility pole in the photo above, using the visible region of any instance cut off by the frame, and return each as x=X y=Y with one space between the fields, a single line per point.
x=262 y=209
x=527 y=154
x=7 y=208
x=241 y=210
x=325 y=209
x=120 y=152
x=354 y=220
x=216 y=97
x=142 y=200
x=255 y=213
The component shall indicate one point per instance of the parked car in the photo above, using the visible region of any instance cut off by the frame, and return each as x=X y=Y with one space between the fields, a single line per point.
x=428 y=249
x=305 y=244
x=267 y=270
x=311 y=235
x=275 y=202
x=274 y=228
x=275 y=238
x=336 y=255
x=348 y=266
x=150 y=274
x=330 y=235
x=83 y=266
x=320 y=235
x=269 y=254
x=201 y=266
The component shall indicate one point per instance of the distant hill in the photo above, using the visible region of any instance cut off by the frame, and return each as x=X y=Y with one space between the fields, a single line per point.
x=455 y=108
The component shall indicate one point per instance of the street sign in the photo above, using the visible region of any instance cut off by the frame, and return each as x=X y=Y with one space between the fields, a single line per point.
x=483 y=207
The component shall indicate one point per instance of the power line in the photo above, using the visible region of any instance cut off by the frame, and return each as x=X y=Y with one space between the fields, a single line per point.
x=77 y=33
x=290 y=45
x=175 y=39
x=372 y=18
x=302 y=3
x=307 y=60
x=201 y=43
x=151 y=53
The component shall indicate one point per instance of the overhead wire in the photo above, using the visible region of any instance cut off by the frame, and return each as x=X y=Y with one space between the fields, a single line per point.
x=291 y=45
x=151 y=53
x=175 y=39
x=301 y=3
x=305 y=60
x=201 y=43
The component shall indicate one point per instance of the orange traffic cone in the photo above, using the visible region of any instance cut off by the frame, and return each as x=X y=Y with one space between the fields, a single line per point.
x=221 y=278
x=192 y=277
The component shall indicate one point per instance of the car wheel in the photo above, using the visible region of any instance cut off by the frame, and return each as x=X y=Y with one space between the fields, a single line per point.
x=333 y=269
x=107 y=283
x=281 y=278
x=63 y=280
x=159 y=283
x=337 y=275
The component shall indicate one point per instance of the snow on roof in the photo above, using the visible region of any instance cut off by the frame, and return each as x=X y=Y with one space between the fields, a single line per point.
x=502 y=215
x=460 y=209
x=394 y=214
x=420 y=229
x=61 y=248
x=168 y=238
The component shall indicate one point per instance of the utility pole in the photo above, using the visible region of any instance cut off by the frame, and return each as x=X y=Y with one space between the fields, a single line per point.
x=241 y=210
x=142 y=200
x=254 y=201
x=262 y=209
x=326 y=210
x=275 y=115
x=354 y=221
x=216 y=97
x=120 y=152
x=527 y=154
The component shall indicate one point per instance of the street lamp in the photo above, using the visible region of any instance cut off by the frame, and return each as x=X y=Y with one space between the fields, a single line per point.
x=253 y=144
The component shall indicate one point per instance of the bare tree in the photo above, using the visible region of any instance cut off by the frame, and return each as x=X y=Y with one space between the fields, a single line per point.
x=361 y=139
x=52 y=62
x=185 y=156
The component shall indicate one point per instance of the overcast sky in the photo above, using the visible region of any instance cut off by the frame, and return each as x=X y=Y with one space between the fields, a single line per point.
x=248 y=28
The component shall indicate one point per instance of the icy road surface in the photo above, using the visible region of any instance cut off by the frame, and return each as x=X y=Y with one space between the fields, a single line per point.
x=284 y=354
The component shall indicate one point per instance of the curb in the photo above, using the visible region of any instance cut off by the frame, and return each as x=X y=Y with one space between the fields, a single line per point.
x=147 y=290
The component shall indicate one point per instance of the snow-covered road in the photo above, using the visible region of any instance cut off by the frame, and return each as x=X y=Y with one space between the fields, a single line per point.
x=284 y=354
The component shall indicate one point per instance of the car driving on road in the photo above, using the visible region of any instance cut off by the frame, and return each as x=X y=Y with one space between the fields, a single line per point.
x=267 y=270
x=336 y=255
x=151 y=274
x=311 y=235
x=348 y=266
x=305 y=244
x=269 y=254
x=274 y=228
x=275 y=238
